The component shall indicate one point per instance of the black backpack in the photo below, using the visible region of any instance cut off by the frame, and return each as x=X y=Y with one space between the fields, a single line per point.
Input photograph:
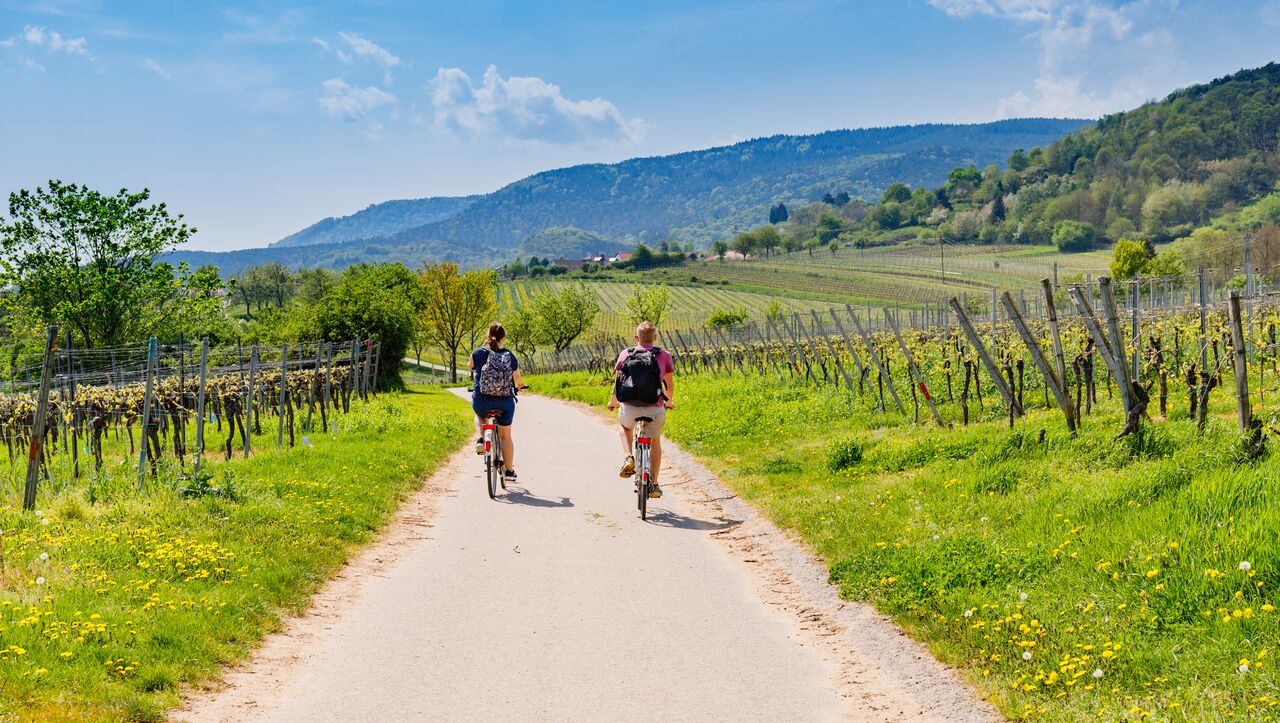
x=639 y=380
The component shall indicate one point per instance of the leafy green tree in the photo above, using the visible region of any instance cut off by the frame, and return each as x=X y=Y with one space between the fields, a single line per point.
x=723 y=318
x=778 y=213
x=314 y=284
x=375 y=301
x=745 y=243
x=842 y=198
x=564 y=313
x=768 y=238
x=455 y=306
x=1128 y=260
x=897 y=192
x=647 y=303
x=1071 y=235
x=1166 y=263
x=524 y=333
x=997 y=205
x=720 y=247
x=86 y=261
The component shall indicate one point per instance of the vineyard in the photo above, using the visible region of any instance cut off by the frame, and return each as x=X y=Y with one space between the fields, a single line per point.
x=66 y=410
x=1188 y=335
x=907 y=276
x=687 y=308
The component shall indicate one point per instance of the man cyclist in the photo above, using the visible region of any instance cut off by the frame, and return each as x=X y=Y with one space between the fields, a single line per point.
x=644 y=387
x=495 y=378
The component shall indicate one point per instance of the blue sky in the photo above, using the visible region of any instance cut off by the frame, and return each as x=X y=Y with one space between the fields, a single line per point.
x=256 y=119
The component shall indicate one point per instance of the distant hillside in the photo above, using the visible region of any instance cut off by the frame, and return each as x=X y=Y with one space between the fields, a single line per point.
x=1156 y=172
x=378 y=220
x=695 y=197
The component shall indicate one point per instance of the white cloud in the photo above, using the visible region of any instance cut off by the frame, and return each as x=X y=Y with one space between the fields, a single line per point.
x=1082 y=43
x=524 y=108
x=156 y=68
x=352 y=103
x=38 y=37
x=352 y=47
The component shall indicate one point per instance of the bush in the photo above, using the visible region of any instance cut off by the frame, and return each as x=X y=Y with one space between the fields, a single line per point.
x=1073 y=235
x=721 y=318
x=844 y=454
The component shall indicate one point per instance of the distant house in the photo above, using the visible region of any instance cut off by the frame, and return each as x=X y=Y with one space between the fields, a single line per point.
x=621 y=256
x=570 y=263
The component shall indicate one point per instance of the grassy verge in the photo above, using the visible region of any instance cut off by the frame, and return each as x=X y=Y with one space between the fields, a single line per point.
x=1069 y=578
x=108 y=608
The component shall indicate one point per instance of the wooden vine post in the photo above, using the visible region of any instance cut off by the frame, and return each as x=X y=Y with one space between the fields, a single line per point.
x=152 y=360
x=200 y=400
x=835 y=318
x=284 y=390
x=36 y=451
x=251 y=408
x=993 y=371
x=1057 y=384
x=1243 y=409
x=835 y=355
x=71 y=398
x=917 y=377
x=1116 y=365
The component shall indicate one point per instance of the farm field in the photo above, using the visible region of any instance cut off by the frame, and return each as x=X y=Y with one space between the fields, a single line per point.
x=687 y=308
x=907 y=276
x=1066 y=578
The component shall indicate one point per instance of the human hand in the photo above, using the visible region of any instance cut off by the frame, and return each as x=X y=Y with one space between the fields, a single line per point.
x=612 y=405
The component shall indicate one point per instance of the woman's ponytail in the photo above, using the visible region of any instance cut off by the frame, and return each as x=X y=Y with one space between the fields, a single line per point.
x=496 y=334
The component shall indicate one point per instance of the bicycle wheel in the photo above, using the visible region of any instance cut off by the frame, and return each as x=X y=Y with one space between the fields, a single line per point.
x=643 y=487
x=502 y=466
x=491 y=469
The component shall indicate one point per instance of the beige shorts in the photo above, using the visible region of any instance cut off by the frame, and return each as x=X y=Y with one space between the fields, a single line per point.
x=628 y=413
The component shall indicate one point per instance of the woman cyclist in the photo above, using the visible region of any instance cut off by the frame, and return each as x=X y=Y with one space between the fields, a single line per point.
x=495 y=375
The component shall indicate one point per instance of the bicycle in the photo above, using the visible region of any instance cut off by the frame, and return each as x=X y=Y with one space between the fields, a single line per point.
x=493 y=462
x=643 y=479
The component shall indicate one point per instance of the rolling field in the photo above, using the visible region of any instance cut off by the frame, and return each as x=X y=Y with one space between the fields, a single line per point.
x=688 y=306
x=906 y=276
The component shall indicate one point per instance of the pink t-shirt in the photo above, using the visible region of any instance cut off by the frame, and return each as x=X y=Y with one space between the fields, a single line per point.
x=666 y=365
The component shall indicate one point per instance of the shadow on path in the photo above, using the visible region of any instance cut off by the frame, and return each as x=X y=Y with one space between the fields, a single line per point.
x=520 y=496
x=667 y=518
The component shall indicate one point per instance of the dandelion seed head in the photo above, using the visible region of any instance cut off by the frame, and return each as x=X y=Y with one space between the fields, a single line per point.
x=1022 y=596
x=1243 y=668
x=968 y=613
x=1097 y=672
x=44 y=521
x=1244 y=565
x=44 y=556
x=1026 y=655
x=40 y=580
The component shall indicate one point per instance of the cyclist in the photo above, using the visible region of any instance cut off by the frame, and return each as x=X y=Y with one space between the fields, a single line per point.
x=495 y=376
x=643 y=387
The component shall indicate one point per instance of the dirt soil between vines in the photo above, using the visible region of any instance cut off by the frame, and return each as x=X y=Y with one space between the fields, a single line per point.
x=556 y=602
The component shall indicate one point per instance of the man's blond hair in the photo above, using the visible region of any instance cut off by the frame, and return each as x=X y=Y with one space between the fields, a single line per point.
x=646 y=333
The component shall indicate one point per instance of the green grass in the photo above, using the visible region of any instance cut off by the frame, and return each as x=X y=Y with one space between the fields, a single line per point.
x=1128 y=553
x=144 y=594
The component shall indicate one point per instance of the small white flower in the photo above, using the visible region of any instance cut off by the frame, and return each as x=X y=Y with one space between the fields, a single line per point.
x=984 y=519
x=44 y=521
x=40 y=580
x=1026 y=655
x=1243 y=668
x=44 y=556
x=39 y=513
x=935 y=537
x=968 y=613
x=1097 y=672
x=1022 y=596
x=837 y=498
x=1245 y=565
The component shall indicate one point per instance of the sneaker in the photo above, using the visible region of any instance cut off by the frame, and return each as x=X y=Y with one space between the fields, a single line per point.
x=655 y=492
x=509 y=475
x=628 y=467
x=480 y=446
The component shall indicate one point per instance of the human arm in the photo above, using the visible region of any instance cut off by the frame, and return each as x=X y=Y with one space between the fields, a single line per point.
x=518 y=379
x=669 y=390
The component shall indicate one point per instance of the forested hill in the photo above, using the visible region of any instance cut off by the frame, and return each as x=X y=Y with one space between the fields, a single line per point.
x=378 y=220
x=695 y=196
x=1203 y=154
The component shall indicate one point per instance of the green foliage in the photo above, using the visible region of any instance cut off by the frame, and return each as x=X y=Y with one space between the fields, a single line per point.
x=648 y=303
x=723 y=318
x=844 y=454
x=1073 y=235
x=563 y=313
x=85 y=261
x=1129 y=259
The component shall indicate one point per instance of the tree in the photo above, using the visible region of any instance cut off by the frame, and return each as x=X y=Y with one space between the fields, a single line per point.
x=1071 y=235
x=828 y=199
x=720 y=247
x=724 y=318
x=647 y=303
x=768 y=238
x=744 y=243
x=842 y=198
x=897 y=192
x=279 y=282
x=997 y=205
x=86 y=261
x=454 y=306
x=1128 y=260
x=811 y=244
x=376 y=301
x=314 y=284
x=524 y=334
x=564 y=313
x=1166 y=263
x=778 y=213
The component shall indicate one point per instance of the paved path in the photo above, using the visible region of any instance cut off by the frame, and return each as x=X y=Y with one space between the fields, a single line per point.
x=555 y=603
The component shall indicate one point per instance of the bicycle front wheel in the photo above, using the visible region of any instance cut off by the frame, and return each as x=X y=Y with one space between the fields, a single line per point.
x=491 y=472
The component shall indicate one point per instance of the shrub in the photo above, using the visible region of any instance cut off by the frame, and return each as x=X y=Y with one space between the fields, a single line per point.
x=844 y=454
x=721 y=318
x=1071 y=235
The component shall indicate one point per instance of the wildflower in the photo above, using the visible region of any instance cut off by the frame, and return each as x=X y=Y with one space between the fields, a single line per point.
x=40 y=580
x=1153 y=573
x=1268 y=608
x=1244 y=668
x=1245 y=566
x=1022 y=596
x=968 y=613
x=1097 y=672
x=984 y=519
x=44 y=521
x=1026 y=655
x=44 y=556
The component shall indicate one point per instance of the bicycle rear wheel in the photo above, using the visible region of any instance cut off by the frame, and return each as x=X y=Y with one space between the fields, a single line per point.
x=491 y=470
x=642 y=489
